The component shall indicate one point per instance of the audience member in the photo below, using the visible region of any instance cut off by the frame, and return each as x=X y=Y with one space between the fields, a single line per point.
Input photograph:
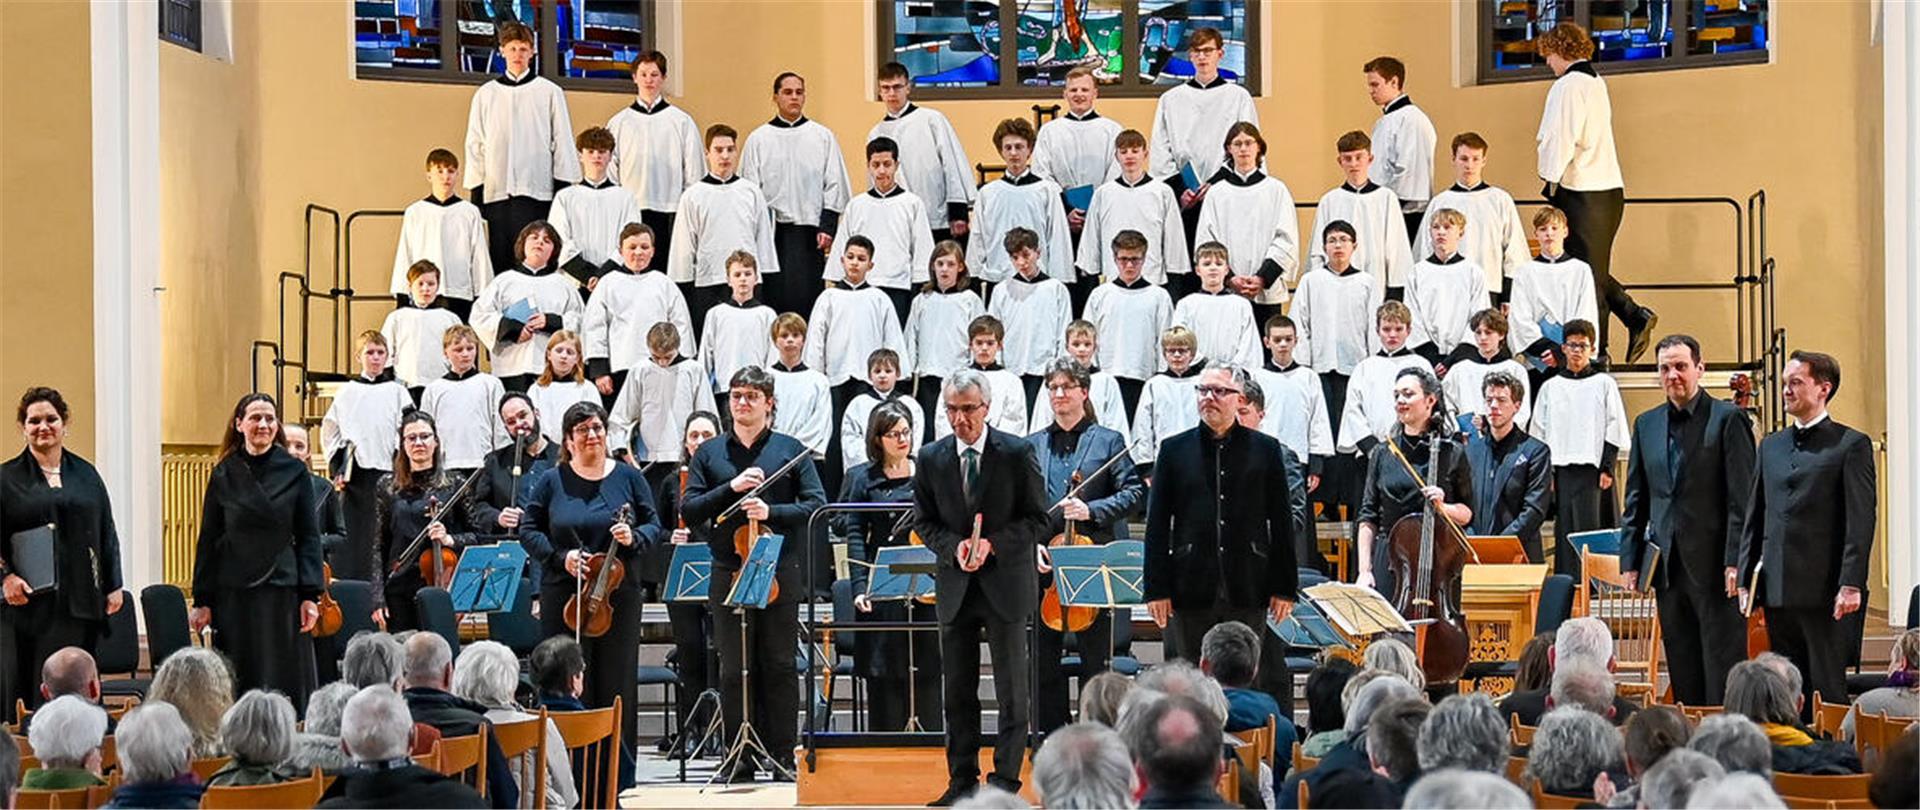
x=68 y=671
x=1396 y=657
x=373 y=659
x=1453 y=789
x=1177 y=677
x=1584 y=639
x=1735 y=742
x=154 y=747
x=1649 y=736
x=1901 y=696
x=1376 y=688
x=258 y=730
x=1735 y=791
x=1466 y=732
x=9 y=769
x=428 y=675
x=1326 y=709
x=1570 y=748
x=1100 y=698
x=488 y=673
x=377 y=730
x=66 y=738
x=317 y=745
x=1670 y=783
x=1534 y=668
x=1230 y=654
x=1895 y=781
x=1084 y=766
x=1175 y=742
x=559 y=671
x=1393 y=741
x=1582 y=685
x=1758 y=690
x=988 y=797
x=198 y=682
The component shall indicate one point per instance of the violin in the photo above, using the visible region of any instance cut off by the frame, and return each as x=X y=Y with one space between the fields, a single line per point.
x=679 y=508
x=590 y=610
x=746 y=536
x=331 y=618
x=1070 y=619
x=1427 y=575
x=437 y=562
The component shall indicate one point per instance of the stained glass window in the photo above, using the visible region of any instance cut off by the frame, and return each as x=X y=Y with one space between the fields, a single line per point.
x=580 y=43
x=1728 y=27
x=1516 y=24
x=180 y=23
x=599 y=39
x=1628 y=35
x=1057 y=36
x=479 y=48
x=948 y=43
x=1165 y=24
x=397 y=33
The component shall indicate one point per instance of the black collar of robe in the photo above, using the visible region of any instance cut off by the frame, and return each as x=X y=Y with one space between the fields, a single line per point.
x=1145 y=178
x=1193 y=370
x=904 y=112
x=1223 y=291
x=1403 y=351
x=1276 y=367
x=1139 y=282
x=605 y=182
x=550 y=269
x=451 y=200
x=1563 y=258
x=1473 y=355
x=658 y=105
x=1230 y=177
x=1583 y=66
x=897 y=191
x=522 y=81
x=1403 y=101
x=796 y=367
x=884 y=397
x=1456 y=259
x=1582 y=374
x=855 y=287
x=783 y=123
x=1462 y=188
x=1027 y=179
x=1035 y=279
x=711 y=180
x=995 y=366
x=458 y=376
x=385 y=376
x=1218 y=81
x=1091 y=115
x=1369 y=188
x=750 y=303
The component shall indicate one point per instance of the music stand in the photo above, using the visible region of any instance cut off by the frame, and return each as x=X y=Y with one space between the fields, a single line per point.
x=689 y=575
x=905 y=574
x=752 y=588
x=487 y=578
x=1307 y=628
x=1106 y=577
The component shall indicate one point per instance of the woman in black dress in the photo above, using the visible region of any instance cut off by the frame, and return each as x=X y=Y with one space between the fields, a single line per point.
x=881 y=657
x=1391 y=492
x=257 y=564
x=48 y=486
x=570 y=516
x=690 y=619
x=400 y=506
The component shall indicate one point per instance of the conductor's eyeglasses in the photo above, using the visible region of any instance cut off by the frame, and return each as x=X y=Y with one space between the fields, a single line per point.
x=1215 y=391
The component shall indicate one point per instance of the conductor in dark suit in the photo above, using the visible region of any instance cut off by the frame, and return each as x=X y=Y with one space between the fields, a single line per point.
x=1689 y=473
x=1511 y=470
x=986 y=585
x=1219 y=543
x=1809 y=528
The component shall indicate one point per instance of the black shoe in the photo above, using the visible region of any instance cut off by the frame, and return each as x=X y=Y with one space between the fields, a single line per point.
x=742 y=773
x=955 y=793
x=1009 y=785
x=783 y=771
x=1642 y=336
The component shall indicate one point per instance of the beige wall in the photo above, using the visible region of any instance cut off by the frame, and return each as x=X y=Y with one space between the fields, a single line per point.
x=46 y=211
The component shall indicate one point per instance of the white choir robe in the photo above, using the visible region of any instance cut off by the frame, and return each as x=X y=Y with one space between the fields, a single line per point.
x=1006 y=407
x=1319 y=426
x=1168 y=405
x=1028 y=201
x=1130 y=318
x=1333 y=316
x=1289 y=414
x=1254 y=216
x=551 y=401
x=1578 y=415
x=367 y=414
x=848 y=324
x=1109 y=408
x=1190 y=125
x=1559 y=290
x=657 y=153
x=550 y=293
x=621 y=310
x=1495 y=237
x=936 y=332
x=716 y=218
x=655 y=404
x=853 y=423
x=415 y=340
x=896 y=224
x=1148 y=206
x=933 y=163
x=1075 y=151
x=1575 y=143
x=804 y=407
x=451 y=234
x=1403 y=147
x=466 y=410
x=1464 y=385
x=1380 y=227
x=588 y=218
x=1443 y=296
x=1222 y=323
x=1035 y=313
x=1369 y=412
x=737 y=334
x=519 y=139
x=800 y=169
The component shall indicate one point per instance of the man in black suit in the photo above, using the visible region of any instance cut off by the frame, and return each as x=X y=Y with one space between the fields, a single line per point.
x=1511 y=470
x=1689 y=473
x=1219 y=538
x=1809 y=529
x=985 y=584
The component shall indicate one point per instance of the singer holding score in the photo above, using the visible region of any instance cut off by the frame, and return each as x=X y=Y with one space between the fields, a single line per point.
x=980 y=504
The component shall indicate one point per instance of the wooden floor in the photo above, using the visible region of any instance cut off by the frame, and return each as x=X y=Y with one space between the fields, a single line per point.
x=842 y=777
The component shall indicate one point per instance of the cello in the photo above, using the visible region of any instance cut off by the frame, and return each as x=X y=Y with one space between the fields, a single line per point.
x=1427 y=575
x=590 y=610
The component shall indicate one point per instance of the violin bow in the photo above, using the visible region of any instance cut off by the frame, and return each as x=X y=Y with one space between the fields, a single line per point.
x=1459 y=534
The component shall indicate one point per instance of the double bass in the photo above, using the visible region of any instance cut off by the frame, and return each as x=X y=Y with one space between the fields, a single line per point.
x=1427 y=572
x=590 y=610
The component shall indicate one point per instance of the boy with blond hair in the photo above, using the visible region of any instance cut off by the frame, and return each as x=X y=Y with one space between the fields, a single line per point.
x=1443 y=291
x=1221 y=321
x=464 y=403
x=1168 y=404
x=1555 y=288
x=654 y=404
x=360 y=435
x=1496 y=238
x=1109 y=405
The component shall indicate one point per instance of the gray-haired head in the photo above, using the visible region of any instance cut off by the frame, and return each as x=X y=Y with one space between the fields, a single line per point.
x=1669 y=782
x=488 y=674
x=325 y=706
x=199 y=683
x=1455 y=789
x=1734 y=741
x=1230 y=652
x=1100 y=698
x=258 y=729
x=1787 y=669
x=967 y=379
x=1583 y=639
x=377 y=727
x=1396 y=657
x=428 y=661
x=152 y=743
x=1581 y=683
x=371 y=659
x=66 y=731
x=1177 y=677
x=1376 y=693
x=1464 y=731
x=1735 y=791
x=1393 y=737
x=988 y=797
x=1758 y=691
x=1136 y=701
x=1084 y=766
x=1570 y=747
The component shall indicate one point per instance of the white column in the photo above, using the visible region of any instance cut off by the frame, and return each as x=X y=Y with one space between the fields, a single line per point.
x=126 y=257
x=1900 y=45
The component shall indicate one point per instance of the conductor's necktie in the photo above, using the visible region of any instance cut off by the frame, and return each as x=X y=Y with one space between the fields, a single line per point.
x=970 y=469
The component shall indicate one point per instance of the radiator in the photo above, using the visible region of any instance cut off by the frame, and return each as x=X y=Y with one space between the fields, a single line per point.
x=184 y=470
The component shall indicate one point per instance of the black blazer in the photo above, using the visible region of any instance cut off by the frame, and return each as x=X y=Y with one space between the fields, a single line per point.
x=86 y=546
x=1110 y=498
x=1697 y=515
x=258 y=527
x=1811 y=512
x=1510 y=494
x=1219 y=515
x=332 y=516
x=494 y=491
x=791 y=500
x=1012 y=497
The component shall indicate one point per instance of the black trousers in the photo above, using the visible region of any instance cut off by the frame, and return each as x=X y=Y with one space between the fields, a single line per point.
x=518 y=383
x=927 y=392
x=1818 y=645
x=960 y=662
x=902 y=302
x=258 y=630
x=802 y=264
x=1580 y=505
x=662 y=224
x=1030 y=385
x=701 y=299
x=1413 y=228
x=772 y=635
x=1130 y=395
x=1095 y=648
x=613 y=659
x=1704 y=633
x=619 y=383
x=694 y=654
x=1344 y=473
x=356 y=504
x=1188 y=626
x=402 y=612
x=885 y=661
x=504 y=221
x=1593 y=220
x=40 y=628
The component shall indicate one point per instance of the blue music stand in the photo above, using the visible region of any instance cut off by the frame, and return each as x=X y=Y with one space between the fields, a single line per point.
x=901 y=573
x=487 y=577
x=754 y=586
x=1599 y=541
x=1104 y=576
x=690 y=573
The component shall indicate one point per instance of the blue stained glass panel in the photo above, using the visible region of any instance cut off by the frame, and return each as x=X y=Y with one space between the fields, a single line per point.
x=397 y=33
x=1515 y=25
x=1728 y=26
x=948 y=43
x=1165 y=24
x=599 y=39
x=479 y=51
x=1056 y=36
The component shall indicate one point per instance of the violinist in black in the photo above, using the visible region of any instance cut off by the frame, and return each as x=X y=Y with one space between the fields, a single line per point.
x=257 y=563
x=402 y=505
x=882 y=657
x=47 y=485
x=691 y=622
x=1391 y=491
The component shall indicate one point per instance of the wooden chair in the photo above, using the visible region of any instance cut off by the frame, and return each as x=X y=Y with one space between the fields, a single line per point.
x=1517 y=771
x=1229 y=784
x=1695 y=714
x=297 y=793
x=75 y=799
x=1828 y=717
x=1640 y=693
x=1632 y=616
x=206 y=768
x=1303 y=794
x=1522 y=735
x=527 y=737
x=109 y=755
x=1800 y=791
x=1543 y=800
x=1301 y=761
x=429 y=760
x=1877 y=732
x=461 y=755
x=1257 y=746
x=596 y=773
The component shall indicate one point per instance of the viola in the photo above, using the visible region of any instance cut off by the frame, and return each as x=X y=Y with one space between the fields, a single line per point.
x=1427 y=576
x=590 y=610
x=1066 y=619
x=331 y=618
x=437 y=561
x=746 y=536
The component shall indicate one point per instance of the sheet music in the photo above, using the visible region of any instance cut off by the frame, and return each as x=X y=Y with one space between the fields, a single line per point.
x=1358 y=611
